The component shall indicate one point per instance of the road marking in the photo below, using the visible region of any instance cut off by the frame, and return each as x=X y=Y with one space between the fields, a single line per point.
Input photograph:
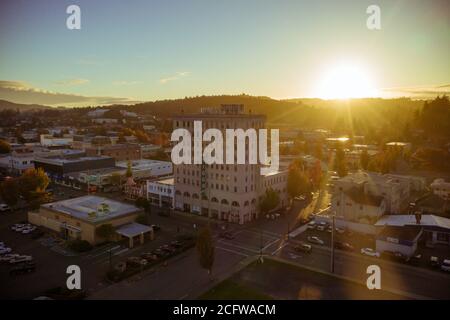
x=232 y=251
x=279 y=248
x=240 y=247
x=270 y=243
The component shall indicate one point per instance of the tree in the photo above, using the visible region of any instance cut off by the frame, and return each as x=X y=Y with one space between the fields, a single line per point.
x=205 y=249
x=297 y=183
x=144 y=204
x=129 y=172
x=364 y=159
x=105 y=231
x=269 y=201
x=9 y=191
x=32 y=185
x=115 y=179
x=5 y=147
x=339 y=163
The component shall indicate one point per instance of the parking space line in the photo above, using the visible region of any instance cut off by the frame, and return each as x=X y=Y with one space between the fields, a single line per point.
x=232 y=251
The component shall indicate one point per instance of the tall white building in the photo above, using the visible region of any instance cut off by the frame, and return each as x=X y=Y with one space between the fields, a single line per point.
x=228 y=192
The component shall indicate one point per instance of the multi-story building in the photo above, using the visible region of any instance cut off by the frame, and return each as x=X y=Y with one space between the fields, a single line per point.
x=119 y=152
x=441 y=188
x=161 y=192
x=228 y=192
x=47 y=140
x=369 y=190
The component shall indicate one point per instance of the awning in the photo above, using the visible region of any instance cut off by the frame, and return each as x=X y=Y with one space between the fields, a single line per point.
x=133 y=229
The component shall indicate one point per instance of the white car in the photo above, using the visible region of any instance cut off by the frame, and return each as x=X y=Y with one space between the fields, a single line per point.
x=340 y=230
x=28 y=230
x=311 y=225
x=445 y=266
x=9 y=256
x=4 y=250
x=315 y=240
x=4 y=207
x=370 y=252
x=20 y=259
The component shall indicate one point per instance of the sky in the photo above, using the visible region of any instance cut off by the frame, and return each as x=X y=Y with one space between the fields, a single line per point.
x=142 y=50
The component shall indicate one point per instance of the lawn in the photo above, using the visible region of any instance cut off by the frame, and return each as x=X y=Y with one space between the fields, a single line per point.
x=231 y=290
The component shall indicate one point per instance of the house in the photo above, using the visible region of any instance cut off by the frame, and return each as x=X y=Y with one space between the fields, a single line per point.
x=441 y=188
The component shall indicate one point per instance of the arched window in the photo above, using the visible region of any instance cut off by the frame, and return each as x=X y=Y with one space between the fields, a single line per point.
x=235 y=204
x=178 y=193
x=214 y=199
x=204 y=197
x=195 y=196
x=246 y=204
x=224 y=201
x=186 y=194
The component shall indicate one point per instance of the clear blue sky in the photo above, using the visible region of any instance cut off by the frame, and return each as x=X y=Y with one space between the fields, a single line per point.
x=147 y=50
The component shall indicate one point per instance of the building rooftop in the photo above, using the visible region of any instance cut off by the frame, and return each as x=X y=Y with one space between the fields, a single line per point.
x=428 y=220
x=63 y=160
x=141 y=164
x=92 y=209
x=169 y=181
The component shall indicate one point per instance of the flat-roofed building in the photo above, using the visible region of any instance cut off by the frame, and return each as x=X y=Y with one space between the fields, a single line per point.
x=79 y=218
x=120 y=151
x=161 y=192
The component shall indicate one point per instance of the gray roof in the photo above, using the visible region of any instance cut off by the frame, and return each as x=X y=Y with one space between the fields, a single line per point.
x=92 y=208
x=428 y=220
x=133 y=229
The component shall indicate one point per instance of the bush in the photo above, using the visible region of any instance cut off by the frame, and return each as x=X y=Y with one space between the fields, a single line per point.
x=79 y=245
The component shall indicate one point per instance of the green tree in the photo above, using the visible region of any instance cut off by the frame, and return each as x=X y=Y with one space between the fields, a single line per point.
x=116 y=179
x=5 y=147
x=205 y=249
x=129 y=172
x=105 y=231
x=144 y=204
x=269 y=201
x=9 y=191
x=364 y=159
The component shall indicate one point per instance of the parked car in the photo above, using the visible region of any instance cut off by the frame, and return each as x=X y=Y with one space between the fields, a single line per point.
x=226 y=235
x=303 y=247
x=9 y=256
x=155 y=227
x=434 y=261
x=22 y=269
x=343 y=246
x=445 y=266
x=300 y=198
x=149 y=256
x=321 y=226
x=370 y=252
x=415 y=259
x=28 y=230
x=5 y=250
x=20 y=259
x=311 y=225
x=315 y=240
x=4 y=207
x=394 y=256
x=176 y=244
x=340 y=230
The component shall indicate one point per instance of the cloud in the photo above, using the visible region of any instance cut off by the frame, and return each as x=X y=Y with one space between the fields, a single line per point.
x=72 y=82
x=420 y=92
x=177 y=76
x=22 y=92
x=125 y=83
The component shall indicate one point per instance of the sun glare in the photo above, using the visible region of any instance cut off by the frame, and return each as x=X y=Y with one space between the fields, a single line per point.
x=345 y=81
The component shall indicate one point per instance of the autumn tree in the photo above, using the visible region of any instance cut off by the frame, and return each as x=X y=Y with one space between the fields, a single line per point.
x=269 y=201
x=32 y=185
x=205 y=249
x=5 y=147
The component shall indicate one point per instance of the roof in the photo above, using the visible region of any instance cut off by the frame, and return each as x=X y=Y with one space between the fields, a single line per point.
x=428 y=220
x=133 y=229
x=358 y=196
x=409 y=233
x=169 y=181
x=92 y=209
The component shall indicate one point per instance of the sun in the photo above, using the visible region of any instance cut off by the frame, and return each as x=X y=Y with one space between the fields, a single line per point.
x=345 y=81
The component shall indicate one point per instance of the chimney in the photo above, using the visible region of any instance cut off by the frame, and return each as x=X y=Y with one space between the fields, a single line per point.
x=418 y=215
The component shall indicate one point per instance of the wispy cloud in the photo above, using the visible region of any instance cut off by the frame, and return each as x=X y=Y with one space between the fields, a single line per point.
x=420 y=92
x=125 y=83
x=72 y=82
x=174 y=77
x=22 y=92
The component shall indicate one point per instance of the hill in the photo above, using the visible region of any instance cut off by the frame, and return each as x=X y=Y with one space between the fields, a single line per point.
x=5 y=105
